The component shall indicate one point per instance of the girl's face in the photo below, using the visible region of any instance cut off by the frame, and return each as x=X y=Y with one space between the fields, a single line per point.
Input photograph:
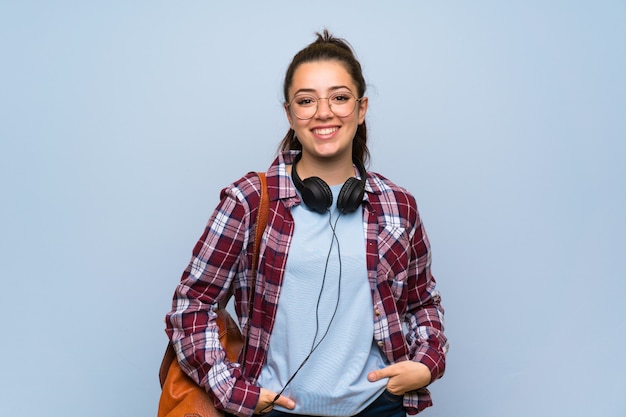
x=325 y=135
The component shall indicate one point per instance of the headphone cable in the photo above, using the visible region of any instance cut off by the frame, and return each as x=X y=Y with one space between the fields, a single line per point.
x=314 y=345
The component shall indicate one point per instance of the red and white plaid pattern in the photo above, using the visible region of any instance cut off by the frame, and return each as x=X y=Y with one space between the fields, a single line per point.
x=398 y=263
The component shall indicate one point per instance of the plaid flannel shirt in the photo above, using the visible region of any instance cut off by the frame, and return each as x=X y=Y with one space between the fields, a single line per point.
x=398 y=264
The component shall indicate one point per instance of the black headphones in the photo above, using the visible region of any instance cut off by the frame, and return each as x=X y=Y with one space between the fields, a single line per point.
x=317 y=195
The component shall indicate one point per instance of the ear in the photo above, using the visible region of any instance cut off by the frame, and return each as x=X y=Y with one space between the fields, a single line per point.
x=362 y=109
x=288 y=113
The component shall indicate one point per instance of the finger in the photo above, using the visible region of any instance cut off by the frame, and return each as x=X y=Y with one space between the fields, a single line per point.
x=286 y=402
x=386 y=372
x=376 y=375
x=265 y=402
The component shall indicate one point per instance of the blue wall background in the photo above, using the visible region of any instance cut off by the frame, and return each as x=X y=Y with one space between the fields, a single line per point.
x=120 y=121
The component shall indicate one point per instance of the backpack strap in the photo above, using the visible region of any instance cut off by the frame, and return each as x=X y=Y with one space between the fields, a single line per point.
x=261 y=222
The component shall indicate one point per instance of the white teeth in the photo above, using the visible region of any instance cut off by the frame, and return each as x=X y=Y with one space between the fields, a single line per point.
x=326 y=131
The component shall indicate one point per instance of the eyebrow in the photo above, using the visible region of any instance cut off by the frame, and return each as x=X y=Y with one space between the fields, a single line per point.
x=312 y=90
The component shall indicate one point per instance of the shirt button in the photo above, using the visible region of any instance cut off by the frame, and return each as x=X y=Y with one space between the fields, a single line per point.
x=377 y=312
x=381 y=344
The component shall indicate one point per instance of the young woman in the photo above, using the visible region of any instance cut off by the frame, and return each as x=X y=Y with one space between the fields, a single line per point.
x=344 y=318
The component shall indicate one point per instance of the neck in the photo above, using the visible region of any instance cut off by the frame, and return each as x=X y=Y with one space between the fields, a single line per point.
x=333 y=172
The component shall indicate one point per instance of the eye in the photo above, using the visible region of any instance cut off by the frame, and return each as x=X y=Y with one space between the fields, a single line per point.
x=341 y=98
x=304 y=101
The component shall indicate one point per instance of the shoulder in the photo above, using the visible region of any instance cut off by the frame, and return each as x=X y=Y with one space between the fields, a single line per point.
x=386 y=190
x=250 y=184
x=245 y=190
x=389 y=199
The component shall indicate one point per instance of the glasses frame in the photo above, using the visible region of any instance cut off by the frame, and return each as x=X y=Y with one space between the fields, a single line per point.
x=317 y=104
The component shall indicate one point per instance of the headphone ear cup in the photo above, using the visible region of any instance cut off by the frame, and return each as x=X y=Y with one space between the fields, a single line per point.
x=351 y=196
x=316 y=194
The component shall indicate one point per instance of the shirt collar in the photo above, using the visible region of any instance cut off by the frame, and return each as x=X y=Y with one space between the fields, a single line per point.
x=279 y=180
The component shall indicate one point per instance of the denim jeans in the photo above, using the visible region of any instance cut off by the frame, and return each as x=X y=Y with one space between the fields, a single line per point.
x=387 y=405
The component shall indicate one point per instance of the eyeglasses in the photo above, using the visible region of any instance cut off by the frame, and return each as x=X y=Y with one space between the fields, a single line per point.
x=342 y=104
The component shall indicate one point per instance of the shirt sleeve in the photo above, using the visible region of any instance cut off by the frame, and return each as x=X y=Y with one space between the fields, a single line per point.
x=425 y=337
x=217 y=258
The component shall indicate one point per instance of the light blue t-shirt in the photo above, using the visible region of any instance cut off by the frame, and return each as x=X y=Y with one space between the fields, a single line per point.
x=333 y=381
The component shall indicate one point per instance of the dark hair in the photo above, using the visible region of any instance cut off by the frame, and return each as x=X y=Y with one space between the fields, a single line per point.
x=328 y=48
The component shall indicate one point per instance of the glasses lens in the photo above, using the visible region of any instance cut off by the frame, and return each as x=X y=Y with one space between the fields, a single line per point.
x=342 y=104
x=304 y=106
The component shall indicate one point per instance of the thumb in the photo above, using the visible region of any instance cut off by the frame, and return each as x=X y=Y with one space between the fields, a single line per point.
x=286 y=402
x=377 y=375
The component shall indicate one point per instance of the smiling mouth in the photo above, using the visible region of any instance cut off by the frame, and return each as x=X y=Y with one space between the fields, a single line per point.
x=325 y=131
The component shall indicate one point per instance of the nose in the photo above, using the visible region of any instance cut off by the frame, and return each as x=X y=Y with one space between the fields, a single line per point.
x=323 y=110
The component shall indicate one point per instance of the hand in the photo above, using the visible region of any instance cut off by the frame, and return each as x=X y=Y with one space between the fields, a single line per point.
x=266 y=402
x=403 y=376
